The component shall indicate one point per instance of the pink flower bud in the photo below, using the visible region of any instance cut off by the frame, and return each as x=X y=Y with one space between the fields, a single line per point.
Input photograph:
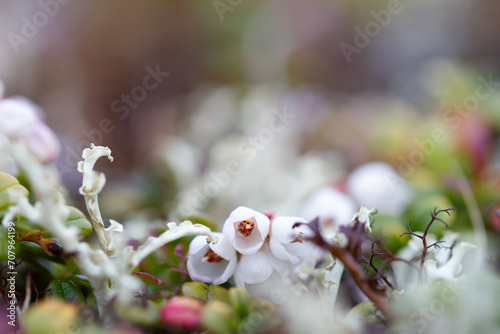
x=183 y=312
x=43 y=142
x=18 y=116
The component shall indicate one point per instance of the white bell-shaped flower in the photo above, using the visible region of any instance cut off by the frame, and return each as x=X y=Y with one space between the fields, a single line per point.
x=18 y=115
x=20 y=121
x=43 y=142
x=288 y=243
x=246 y=230
x=378 y=185
x=332 y=207
x=211 y=262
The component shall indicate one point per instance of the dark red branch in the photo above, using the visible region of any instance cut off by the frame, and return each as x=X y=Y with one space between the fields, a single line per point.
x=151 y=277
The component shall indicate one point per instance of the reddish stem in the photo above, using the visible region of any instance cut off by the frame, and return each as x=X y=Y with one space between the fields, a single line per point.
x=151 y=277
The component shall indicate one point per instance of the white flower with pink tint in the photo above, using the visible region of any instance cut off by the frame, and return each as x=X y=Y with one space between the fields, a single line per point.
x=43 y=142
x=20 y=121
x=332 y=207
x=246 y=230
x=289 y=243
x=18 y=116
x=378 y=185
x=211 y=262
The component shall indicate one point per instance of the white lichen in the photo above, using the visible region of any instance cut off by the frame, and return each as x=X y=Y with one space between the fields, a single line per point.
x=109 y=268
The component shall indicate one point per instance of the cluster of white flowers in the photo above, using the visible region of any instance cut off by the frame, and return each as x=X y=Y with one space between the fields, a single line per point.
x=264 y=246
x=21 y=121
x=372 y=185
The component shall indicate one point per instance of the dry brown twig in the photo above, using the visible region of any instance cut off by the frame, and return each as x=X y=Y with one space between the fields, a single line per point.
x=351 y=256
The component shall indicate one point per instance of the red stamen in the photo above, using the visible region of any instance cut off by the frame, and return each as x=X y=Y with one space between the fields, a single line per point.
x=245 y=227
x=211 y=256
x=299 y=238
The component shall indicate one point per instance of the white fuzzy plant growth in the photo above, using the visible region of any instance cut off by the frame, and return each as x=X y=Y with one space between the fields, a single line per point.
x=109 y=268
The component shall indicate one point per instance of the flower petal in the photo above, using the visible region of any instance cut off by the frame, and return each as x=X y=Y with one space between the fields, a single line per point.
x=253 y=269
x=223 y=248
x=197 y=244
x=231 y=267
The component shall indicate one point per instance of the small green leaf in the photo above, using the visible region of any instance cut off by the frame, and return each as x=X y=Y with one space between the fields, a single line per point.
x=216 y=292
x=78 y=219
x=262 y=319
x=241 y=301
x=146 y=315
x=366 y=312
x=9 y=183
x=24 y=227
x=64 y=289
x=218 y=317
x=31 y=252
x=80 y=280
x=196 y=290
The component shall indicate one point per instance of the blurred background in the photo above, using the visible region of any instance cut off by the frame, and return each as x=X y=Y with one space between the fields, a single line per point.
x=167 y=85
